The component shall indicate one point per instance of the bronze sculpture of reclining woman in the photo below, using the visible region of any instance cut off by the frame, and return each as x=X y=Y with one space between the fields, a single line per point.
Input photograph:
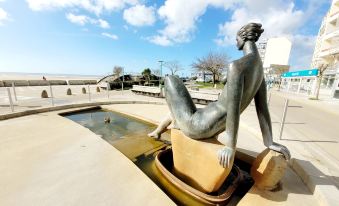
x=245 y=82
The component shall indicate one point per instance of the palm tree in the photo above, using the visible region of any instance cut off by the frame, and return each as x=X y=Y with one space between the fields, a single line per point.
x=147 y=74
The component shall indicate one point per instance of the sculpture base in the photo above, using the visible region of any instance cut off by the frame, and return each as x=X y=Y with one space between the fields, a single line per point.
x=268 y=169
x=164 y=163
x=196 y=162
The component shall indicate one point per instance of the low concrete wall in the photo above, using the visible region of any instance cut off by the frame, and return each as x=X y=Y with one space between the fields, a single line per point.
x=198 y=97
x=38 y=83
x=81 y=82
x=23 y=83
x=57 y=82
x=90 y=81
x=19 y=83
x=148 y=91
x=203 y=97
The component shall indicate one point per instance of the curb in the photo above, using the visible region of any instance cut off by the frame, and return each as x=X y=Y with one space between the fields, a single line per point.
x=71 y=106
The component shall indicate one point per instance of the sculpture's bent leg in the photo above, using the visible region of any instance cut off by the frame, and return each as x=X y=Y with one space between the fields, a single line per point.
x=179 y=101
x=162 y=127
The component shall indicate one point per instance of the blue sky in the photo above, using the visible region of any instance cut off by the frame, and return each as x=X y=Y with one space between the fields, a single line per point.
x=91 y=36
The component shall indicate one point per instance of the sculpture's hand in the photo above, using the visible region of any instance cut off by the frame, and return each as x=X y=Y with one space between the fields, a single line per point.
x=226 y=156
x=281 y=149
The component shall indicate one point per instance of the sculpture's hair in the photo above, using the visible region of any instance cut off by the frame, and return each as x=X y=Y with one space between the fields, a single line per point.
x=250 y=32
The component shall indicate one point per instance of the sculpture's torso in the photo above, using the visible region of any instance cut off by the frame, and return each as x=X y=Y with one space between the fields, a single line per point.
x=209 y=121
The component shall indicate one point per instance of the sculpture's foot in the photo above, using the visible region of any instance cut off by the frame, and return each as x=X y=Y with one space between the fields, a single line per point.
x=154 y=135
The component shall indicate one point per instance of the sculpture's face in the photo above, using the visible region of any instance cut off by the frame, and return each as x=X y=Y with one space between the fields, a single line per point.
x=240 y=42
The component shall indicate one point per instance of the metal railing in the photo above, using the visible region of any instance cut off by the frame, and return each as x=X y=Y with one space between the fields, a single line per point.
x=23 y=98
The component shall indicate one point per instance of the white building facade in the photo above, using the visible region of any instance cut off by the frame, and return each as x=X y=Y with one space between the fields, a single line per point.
x=274 y=53
x=326 y=50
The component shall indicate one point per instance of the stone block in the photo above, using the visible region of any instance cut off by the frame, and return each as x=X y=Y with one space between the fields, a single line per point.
x=268 y=169
x=196 y=162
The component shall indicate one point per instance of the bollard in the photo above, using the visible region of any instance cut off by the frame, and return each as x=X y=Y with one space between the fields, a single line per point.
x=89 y=93
x=52 y=97
x=282 y=123
x=14 y=92
x=69 y=91
x=269 y=99
x=10 y=99
x=107 y=88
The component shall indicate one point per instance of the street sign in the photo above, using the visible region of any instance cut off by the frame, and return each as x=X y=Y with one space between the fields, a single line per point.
x=301 y=73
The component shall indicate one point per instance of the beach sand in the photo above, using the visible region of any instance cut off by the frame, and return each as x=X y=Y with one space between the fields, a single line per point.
x=37 y=76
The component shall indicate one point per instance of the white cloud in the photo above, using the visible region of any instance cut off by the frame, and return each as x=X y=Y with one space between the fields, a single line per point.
x=95 y=6
x=302 y=51
x=3 y=16
x=103 y=24
x=111 y=36
x=140 y=15
x=77 y=19
x=279 y=18
x=160 y=40
x=181 y=17
x=83 y=20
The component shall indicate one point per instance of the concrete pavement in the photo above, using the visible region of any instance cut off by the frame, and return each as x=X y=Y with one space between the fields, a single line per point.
x=46 y=159
x=311 y=133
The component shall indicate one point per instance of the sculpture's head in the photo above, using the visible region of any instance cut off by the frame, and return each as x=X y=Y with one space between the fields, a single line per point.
x=249 y=32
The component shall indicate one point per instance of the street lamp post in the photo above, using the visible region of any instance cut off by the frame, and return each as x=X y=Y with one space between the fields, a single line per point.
x=123 y=79
x=160 y=61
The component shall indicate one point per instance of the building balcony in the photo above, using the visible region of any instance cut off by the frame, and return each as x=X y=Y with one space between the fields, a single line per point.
x=333 y=18
x=331 y=35
x=329 y=52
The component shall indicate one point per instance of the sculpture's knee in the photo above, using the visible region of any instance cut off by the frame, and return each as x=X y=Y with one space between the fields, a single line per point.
x=172 y=81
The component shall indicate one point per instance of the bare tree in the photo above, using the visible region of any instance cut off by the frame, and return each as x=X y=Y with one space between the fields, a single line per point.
x=322 y=68
x=173 y=66
x=117 y=70
x=214 y=62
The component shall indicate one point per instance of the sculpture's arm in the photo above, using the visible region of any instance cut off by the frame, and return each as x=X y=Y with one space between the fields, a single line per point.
x=265 y=121
x=235 y=86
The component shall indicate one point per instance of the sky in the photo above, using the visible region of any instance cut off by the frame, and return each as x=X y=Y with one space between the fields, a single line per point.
x=92 y=36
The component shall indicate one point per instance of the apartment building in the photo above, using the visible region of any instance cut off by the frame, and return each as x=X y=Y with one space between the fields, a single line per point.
x=326 y=50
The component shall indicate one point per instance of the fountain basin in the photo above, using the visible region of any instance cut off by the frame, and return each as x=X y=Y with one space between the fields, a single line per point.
x=164 y=163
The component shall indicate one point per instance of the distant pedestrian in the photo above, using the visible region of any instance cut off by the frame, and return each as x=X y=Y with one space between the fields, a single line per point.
x=44 y=78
